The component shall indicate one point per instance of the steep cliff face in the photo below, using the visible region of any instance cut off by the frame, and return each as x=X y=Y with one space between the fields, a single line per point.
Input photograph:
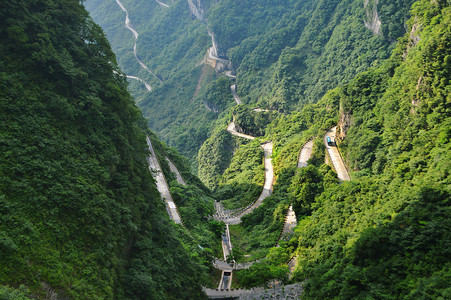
x=372 y=21
x=344 y=123
x=196 y=8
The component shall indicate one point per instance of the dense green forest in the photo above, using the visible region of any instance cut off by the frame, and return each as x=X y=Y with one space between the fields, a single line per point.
x=81 y=217
x=378 y=69
x=285 y=53
x=385 y=234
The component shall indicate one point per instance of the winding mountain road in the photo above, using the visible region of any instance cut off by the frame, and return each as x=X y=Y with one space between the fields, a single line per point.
x=232 y=130
x=162 y=186
x=229 y=74
x=148 y=86
x=213 y=51
x=233 y=219
x=335 y=156
x=226 y=276
x=290 y=218
x=135 y=51
x=235 y=95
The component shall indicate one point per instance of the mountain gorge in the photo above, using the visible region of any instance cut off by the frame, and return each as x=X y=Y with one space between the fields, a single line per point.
x=301 y=68
x=314 y=141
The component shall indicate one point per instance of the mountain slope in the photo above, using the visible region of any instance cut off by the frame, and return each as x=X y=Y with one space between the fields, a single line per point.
x=285 y=54
x=80 y=214
x=384 y=234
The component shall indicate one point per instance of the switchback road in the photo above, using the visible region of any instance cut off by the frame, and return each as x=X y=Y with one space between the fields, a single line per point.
x=232 y=130
x=135 y=52
x=235 y=95
x=267 y=190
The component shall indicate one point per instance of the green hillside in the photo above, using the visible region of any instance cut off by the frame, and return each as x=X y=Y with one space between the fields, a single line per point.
x=285 y=53
x=81 y=217
x=362 y=83
x=385 y=234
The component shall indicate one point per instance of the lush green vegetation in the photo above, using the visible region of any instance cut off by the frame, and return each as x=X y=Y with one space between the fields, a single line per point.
x=172 y=45
x=286 y=54
x=291 y=52
x=242 y=182
x=194 y=202
x=215 y=156
x=252 y=122
x=385 y=234
x=395 y=121
x=80 y=214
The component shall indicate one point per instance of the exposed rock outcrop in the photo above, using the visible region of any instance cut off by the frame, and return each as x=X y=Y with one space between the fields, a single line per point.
x=372 y=21
x=196 y=8
x=344 y=123
x=414 y=37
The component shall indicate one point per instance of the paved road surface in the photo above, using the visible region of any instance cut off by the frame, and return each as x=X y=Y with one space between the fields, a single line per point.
x=229 y=74
x=232 y=130
x=267 y=189
x=306 y=153
x=162 y=4
x=176 y=171
x=226 y=243
x=290 y=220
x=235 y=95
x=224 y=266
x=148 y=87
x=162 y=186
x=226 y=276
x=336 y=157
x=220 y=209
x=226 y=280
x=135 y=35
